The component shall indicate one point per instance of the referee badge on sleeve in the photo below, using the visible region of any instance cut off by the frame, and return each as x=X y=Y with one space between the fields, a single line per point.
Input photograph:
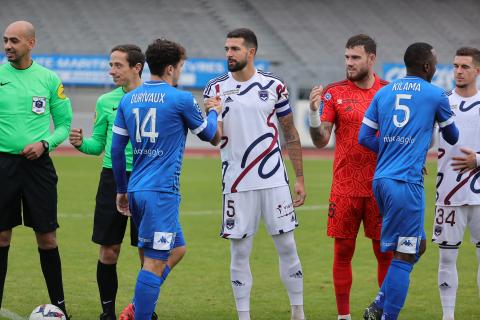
x=39 y=104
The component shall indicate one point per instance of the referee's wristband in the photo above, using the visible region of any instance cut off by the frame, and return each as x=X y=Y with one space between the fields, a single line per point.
x=477 y=155
x=314 y=118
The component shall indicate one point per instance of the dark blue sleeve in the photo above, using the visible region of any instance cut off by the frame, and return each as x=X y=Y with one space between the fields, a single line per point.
x=119 y=142
x=367 y=137
x=119 y=166
x=450 y=133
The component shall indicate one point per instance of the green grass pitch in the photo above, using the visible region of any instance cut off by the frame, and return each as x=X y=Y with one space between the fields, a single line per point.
x=199 y=288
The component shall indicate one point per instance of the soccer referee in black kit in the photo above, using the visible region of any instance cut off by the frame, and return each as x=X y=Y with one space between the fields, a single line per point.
x=29 y=95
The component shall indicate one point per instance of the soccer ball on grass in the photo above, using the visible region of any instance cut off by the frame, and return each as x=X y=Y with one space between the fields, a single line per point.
x=47 y=312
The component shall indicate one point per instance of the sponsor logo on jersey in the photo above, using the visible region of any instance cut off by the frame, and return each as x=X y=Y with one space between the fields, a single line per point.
x=61 y=92
x=230 y=223
x=231 y=92
x=162 y=240
x=263 y=95
x=320 y=109
x=39 y=104
x=149 y=152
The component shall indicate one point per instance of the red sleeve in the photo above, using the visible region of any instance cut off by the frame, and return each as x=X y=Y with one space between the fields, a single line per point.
x=327 y=107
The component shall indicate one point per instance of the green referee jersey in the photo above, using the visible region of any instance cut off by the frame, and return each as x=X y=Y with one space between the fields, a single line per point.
x=28 y=98
x=101 y=139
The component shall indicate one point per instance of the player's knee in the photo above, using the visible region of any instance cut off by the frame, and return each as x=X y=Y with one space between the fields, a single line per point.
x=5 y=238
x=239 y=250
x=109 y=254
x=285 y=244
x=344 y=249
x=448 y=256
x=47 y=241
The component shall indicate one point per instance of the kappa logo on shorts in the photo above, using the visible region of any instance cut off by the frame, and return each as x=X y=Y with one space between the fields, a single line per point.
x=39 y=104
x=162 y=240
x=407 y=244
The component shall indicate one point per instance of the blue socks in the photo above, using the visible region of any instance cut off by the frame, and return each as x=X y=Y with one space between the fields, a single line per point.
x=395 y=288
x=147 y=291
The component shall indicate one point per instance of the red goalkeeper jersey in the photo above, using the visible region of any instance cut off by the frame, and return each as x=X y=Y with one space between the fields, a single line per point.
x=344 y=104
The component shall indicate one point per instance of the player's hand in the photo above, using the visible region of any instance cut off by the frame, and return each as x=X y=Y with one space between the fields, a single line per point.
x=299 y=190
x=76 y=137
x=215 y=103
x=122 y=204
x=33 y=151
x=465 y=163
x=316 y=97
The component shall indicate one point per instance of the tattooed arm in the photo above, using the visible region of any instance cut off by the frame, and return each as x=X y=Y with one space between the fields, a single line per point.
x=321 y=135
x=294 y=149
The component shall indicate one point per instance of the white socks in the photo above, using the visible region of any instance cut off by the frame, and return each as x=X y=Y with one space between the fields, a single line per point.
x=448 y=281
x=240 y=274
x=297 y=313
x=290 y=267
x=478 y=272
x=290 y=273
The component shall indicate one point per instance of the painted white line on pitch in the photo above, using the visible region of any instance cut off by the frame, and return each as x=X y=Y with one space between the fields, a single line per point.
x=189 y=212
x=10 y=315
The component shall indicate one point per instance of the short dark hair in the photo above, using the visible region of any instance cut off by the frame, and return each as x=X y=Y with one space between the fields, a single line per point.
x=417 y=55
x=470 y=52
x=247 y=35
x=134 y=54
x=162 y=53
x=364 y=40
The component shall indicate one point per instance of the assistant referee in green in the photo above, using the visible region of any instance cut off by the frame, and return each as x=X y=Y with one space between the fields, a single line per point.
x=29 y=95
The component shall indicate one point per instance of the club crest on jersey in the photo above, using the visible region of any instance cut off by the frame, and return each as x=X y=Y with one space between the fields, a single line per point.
x=230 y=223
x=263 y=95
x=328 y=96
x=39 y=104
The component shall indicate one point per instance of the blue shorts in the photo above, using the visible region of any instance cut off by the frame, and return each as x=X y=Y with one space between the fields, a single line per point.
x=402 y=206
x=156 y=214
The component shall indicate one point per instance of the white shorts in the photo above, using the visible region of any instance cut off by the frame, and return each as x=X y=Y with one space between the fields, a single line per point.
x=242 y=212
x=450 y=223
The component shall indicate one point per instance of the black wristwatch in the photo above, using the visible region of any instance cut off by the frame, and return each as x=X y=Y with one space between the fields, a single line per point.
x=45 y=144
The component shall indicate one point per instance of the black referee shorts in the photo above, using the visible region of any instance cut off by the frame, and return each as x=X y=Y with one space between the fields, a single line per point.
x=30 y=185
x=108 y=224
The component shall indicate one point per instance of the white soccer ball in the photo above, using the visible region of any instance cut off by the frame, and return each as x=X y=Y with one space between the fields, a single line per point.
x=47 y=312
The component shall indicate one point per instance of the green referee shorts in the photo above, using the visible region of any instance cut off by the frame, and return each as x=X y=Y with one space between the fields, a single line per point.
x=29 y=186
